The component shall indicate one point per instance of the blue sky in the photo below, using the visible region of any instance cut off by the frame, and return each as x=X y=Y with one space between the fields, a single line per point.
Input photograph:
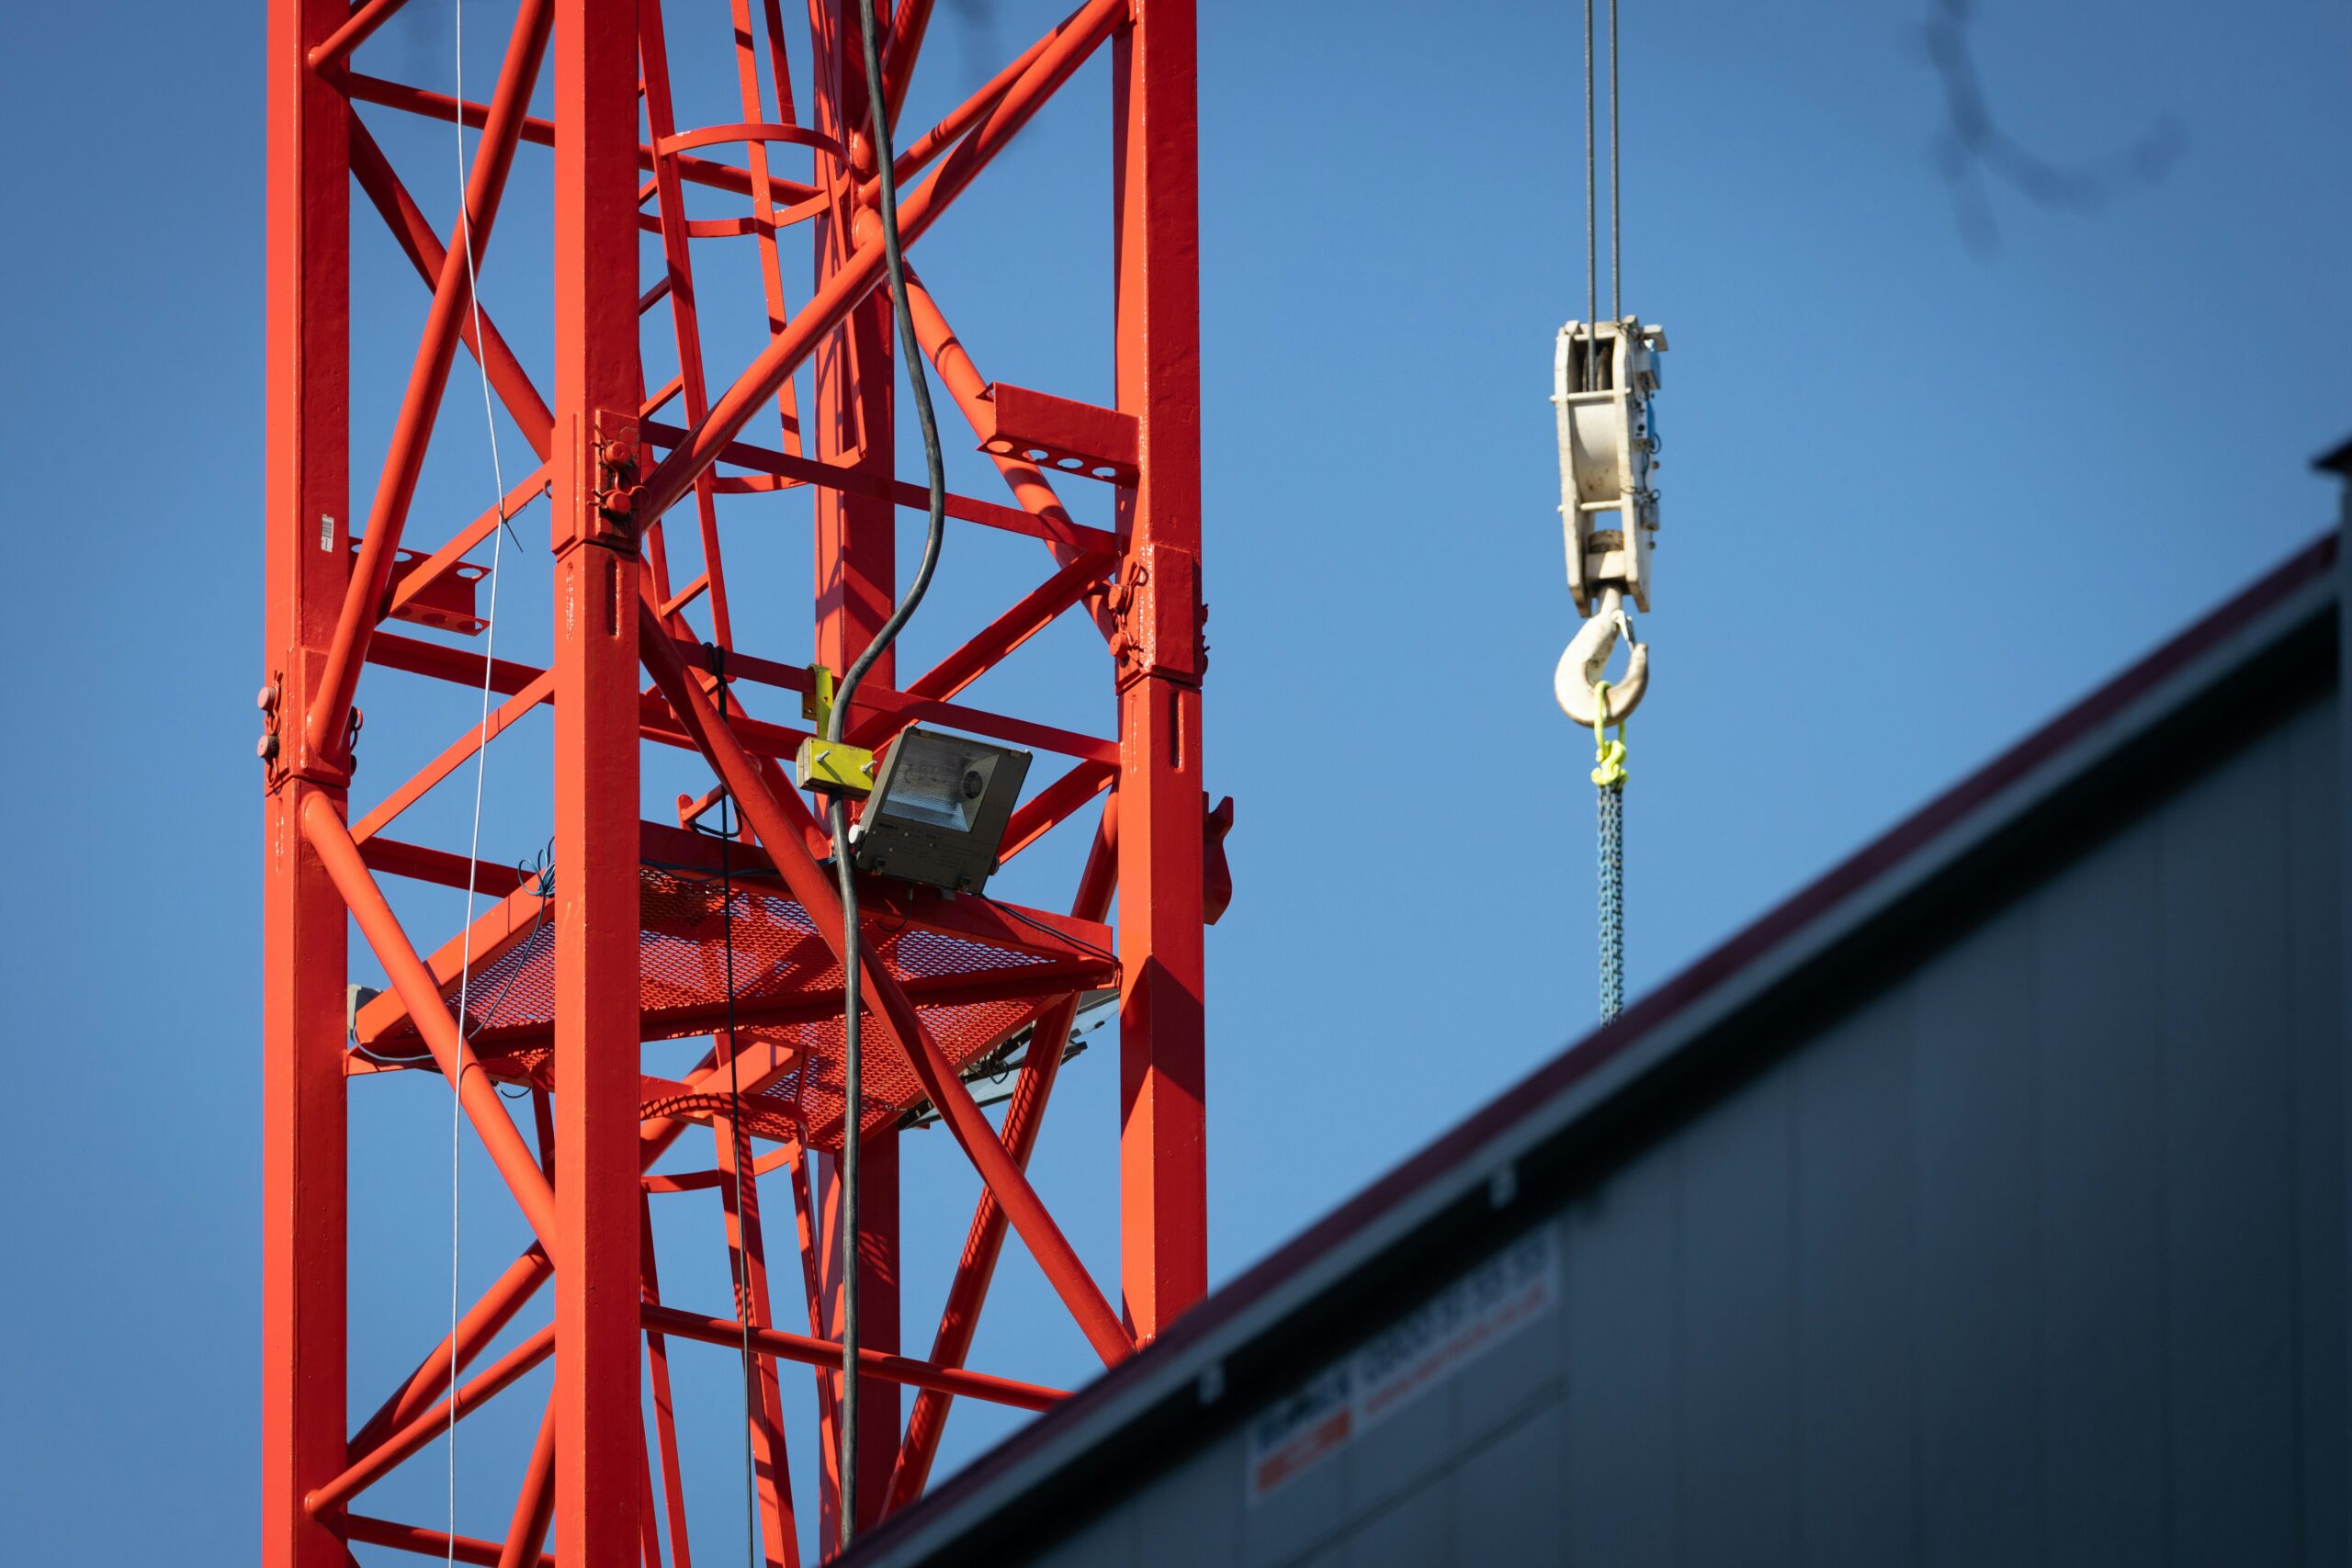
x=1919 y=493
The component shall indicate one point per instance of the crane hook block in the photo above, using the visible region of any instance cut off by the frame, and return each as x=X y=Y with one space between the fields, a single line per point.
x=1603 y=375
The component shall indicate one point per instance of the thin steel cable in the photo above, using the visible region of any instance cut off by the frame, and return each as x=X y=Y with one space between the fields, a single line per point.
x=1591 y=205
x=1041 y=926
x=1609 y=803
x=739 y=1141
x=481 y=774
x=935 y=534
x=1616 y=256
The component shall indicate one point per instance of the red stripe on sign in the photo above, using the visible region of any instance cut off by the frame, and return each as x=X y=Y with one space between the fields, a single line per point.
x=1302 y=1451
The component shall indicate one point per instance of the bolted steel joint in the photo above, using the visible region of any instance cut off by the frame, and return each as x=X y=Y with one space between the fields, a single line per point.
x=270 y=700
x=617 y=458
x=1160 y=615
x=617 y=500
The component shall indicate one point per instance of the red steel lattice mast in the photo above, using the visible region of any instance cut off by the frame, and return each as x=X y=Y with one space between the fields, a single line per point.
x=619 y=946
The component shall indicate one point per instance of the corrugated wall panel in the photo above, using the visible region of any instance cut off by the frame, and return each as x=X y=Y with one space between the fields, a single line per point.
x=1973 y=1115
x=1735 y=1314
x=2100 y=1140
x=2037 y=1254
x=1857 y=1353
x=2228 y=1164
x=2315 y=994
x=1624 y=1501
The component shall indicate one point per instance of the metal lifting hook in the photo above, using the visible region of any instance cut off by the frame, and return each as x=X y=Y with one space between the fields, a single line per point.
x=1584 y=666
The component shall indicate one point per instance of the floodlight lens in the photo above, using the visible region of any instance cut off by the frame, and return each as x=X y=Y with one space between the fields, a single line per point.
x=937 y=782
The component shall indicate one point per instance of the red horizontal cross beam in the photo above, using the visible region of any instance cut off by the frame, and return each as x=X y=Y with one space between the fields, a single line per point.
x=826 y=310
x=872 y=1363
x=808 y=470
x=784 y=824
x=363 y=1530
x=885 y=711
x=541 y=133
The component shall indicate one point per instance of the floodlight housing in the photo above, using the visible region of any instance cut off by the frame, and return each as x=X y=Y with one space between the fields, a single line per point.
x=938 y=810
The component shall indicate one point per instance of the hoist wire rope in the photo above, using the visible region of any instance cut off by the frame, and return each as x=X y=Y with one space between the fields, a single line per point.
x=738 y=1140
x=482 y=769
x=1616 y=256
x=1591 y=213
x=852 y=1097
x=1609 y=783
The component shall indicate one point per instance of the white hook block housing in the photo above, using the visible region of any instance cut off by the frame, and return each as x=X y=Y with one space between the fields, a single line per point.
x=1603 y=374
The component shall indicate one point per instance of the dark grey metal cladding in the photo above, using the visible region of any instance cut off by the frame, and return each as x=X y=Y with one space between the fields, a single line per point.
x=2009 y=1228
x=2038 y=1256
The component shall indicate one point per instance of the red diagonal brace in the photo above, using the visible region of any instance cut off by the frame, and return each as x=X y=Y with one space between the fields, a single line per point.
x=685 y=302
x=965 y=383
x=428 y=570
x=905 y=44
x=477 y=736
x=369 y=1530
x=747 y=1250
x=339 y=678
x=422 y=997
x=782 y=828
x=484 y=1322
x=667 y=484
x=425 y=251
x=488 y=1316
x=373 y=1466
x=526 y=1532
x=984 y=1243
x=994 y=642
x=878 y=1364
x=353 y=33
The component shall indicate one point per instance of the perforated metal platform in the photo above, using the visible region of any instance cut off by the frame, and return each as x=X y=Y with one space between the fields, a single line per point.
x=974 y=991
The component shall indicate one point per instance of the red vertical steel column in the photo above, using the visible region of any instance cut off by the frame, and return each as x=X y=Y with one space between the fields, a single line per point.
x=599 y=1426
x=307 y=501
x=589 y=1495
x=1163 y=1247
x=856 y=581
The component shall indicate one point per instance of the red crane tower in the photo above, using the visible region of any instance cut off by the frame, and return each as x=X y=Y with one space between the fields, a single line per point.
x=657 y=930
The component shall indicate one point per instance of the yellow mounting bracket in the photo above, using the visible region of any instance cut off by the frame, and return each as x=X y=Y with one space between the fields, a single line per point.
x=830 y=767
x=834 y=767
x=817 y=701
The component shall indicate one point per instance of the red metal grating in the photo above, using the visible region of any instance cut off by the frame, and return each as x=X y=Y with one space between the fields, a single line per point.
x=810 y=1094
x=786 y=986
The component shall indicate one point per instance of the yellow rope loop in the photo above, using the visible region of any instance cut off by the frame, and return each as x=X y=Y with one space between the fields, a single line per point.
x=1608 y=756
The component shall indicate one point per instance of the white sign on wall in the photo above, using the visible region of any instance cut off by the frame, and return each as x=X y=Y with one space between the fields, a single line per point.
x=1407 y=1359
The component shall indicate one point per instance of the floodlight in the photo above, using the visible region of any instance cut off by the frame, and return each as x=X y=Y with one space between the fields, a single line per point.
x=938 y=809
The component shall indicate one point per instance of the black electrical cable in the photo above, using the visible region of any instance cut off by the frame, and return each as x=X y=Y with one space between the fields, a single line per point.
x=852 y=1097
